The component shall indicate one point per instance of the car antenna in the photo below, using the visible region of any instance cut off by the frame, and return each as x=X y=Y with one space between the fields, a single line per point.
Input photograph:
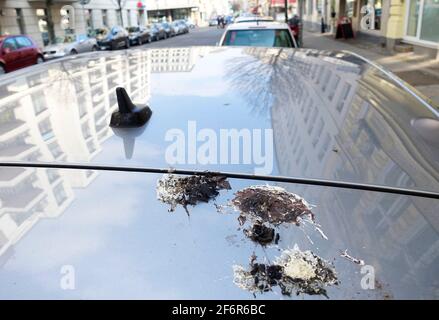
x=129 y=115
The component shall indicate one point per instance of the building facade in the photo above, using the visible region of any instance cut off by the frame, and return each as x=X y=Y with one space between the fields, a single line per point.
x=390 y=22
x=33 y=17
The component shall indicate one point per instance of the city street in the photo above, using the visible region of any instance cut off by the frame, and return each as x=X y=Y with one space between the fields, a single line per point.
x=417 y=71
x=207 y=36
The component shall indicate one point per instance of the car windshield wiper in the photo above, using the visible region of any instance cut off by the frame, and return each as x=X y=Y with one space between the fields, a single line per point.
x=233 y=175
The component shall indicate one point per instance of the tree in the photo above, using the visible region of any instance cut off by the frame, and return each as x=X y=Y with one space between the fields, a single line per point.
x=236 y=6
x=49 y=20
x=120 y=4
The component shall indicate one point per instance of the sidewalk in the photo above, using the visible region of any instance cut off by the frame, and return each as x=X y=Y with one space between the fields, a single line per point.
x=419 y=71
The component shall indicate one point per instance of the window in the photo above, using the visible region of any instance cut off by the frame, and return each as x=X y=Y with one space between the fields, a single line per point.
x=412 y=19
x=326 y=78
x=309 y=7
x=86 y=130
x=42 y=25
x=313 y=120
x=39 y=102
x=104 y=18
x=430 y=21
x=343 y=96
x=119 y=17
x=55 y=150
x=89 y=19
x=318 y=132
x=53 y=175
x=259 y=38
x=60 y=194
x=334 y=87
x=46 y=129
x=423 y=20
x=10 y=44
x=82 y=37
x=23 y=42
x=6 y=116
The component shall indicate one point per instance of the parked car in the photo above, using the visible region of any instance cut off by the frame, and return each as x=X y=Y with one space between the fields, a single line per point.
x=190 y=23
x=175 y=27
x=18 y=52
x=213 y=22
x=70 y=44
x=183 y=27
x=158 y=32
x=113 y=39
x=170 y=31
x=229 y=19
x=258 y=34
x=139 y=35
x=344 y=203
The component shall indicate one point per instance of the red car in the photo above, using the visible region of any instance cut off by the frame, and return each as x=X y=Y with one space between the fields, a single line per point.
x=18 y=52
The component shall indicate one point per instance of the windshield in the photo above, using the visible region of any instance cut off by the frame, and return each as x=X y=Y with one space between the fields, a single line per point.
x=101 y=32
x=259 y=38
x=66 y=39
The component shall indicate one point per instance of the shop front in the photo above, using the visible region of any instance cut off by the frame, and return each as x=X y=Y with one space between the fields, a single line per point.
x=422 y=23
x=169 y=14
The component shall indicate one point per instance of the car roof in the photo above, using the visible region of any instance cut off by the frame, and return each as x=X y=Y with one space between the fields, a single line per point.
x=258 y=25
x=253 y=18
x=332 y=116
x=2 y=37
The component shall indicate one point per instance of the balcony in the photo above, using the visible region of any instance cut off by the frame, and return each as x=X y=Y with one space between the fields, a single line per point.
x=16 y=150
x=21 y=199
x=9 y=126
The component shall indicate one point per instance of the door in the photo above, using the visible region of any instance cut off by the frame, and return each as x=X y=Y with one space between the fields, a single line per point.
x=11 y=54
x=118 y=37
x=27 y=52
x=121 y=37
x=83 y=43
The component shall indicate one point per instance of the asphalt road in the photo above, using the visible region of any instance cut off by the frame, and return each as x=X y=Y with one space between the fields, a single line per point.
x=207 y=36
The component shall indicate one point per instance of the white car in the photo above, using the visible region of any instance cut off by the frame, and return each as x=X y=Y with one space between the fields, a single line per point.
x=259 y=34
x=70 y=44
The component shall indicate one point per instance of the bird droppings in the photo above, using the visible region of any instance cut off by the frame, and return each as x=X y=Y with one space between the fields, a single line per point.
x=191 y=190
x=270 y=204
x=262 y=234
x=346 y=255
x=295 y=271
